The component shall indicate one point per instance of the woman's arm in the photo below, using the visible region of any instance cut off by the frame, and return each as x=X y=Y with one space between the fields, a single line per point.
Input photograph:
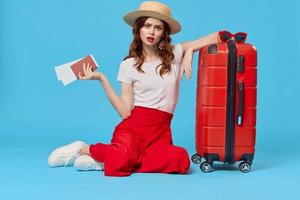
x=190 y=47
x=122 y=104
x=201 y=42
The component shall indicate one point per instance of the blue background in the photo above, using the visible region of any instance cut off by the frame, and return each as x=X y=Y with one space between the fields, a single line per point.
x=37 y=113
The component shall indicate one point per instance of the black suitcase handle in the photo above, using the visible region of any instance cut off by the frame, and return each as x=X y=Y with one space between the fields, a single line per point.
x=240 y=64
x=241 y=103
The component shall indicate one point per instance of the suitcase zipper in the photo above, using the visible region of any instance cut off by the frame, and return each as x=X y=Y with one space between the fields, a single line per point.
x=230 y=107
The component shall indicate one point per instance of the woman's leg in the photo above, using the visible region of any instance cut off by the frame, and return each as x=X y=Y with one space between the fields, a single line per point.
x=165 y=159
x=85 y=162
x=121 y=157
x=85 y=150
x=160 y=155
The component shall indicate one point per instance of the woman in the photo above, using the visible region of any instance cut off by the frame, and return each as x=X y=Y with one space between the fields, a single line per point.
x=150 y=77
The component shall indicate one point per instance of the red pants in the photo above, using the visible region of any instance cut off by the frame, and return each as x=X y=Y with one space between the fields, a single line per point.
x=142 y=143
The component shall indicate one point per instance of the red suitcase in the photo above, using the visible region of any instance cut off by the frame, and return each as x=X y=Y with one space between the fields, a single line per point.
x=226 y=102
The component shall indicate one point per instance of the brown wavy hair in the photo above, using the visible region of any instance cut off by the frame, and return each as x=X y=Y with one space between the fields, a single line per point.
x=136 y=48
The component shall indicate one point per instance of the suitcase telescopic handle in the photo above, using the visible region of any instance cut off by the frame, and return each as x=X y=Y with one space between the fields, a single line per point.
x=241 y=103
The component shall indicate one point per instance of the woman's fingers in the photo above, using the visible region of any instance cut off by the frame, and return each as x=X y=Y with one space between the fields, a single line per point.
x=189 y=72
x=185 y=68
x=85 y=71
x=89 y=71
x=181 y=71
x=80 y=76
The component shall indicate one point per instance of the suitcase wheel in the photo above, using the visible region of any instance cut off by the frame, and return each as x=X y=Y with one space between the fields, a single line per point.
x=245 y=167
x=206 y=167
x=196 y=159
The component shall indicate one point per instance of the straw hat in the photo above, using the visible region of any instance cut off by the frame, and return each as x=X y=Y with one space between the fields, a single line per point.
x=156 y=10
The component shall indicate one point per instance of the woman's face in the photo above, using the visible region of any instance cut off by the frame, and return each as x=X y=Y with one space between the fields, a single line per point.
x=151 y=32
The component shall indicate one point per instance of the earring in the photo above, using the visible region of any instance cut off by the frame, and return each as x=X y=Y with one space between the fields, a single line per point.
x=161 y=45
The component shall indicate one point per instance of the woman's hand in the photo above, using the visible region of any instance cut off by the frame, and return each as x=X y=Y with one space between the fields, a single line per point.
x=89 y=74
x=186 y=65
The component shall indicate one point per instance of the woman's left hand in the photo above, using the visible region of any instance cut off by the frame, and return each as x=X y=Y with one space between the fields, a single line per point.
x=186 y=65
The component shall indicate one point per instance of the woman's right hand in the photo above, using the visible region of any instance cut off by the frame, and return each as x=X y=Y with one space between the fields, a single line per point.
x=89 y=74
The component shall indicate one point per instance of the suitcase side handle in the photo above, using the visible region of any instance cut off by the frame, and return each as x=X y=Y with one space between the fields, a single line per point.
x=240 y=64
x=241 y=103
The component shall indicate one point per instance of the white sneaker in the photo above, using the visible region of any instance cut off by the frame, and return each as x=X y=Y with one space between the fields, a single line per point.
x=87 y=163
x=65 y=155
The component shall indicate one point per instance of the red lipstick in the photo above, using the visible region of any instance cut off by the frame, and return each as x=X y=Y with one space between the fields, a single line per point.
x=150 y=39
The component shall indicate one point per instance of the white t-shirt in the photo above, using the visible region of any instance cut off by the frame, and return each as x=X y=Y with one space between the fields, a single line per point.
x=149 y=88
